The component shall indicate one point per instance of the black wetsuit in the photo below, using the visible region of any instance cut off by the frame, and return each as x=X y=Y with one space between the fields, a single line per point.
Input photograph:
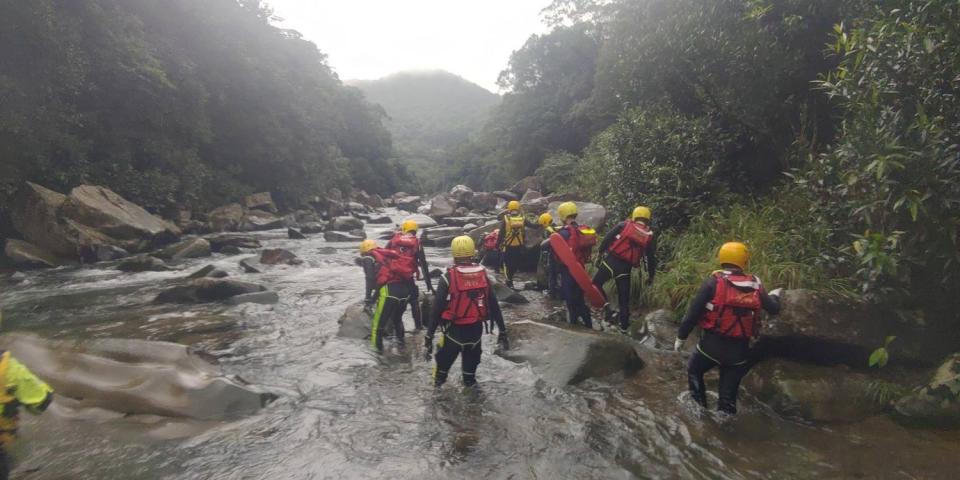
x=512 y=255
x=619 y=270
x=414 y=290
x=732 y=355
x=392 y=302
x=571 y=292
x=548 y=261
x=370 y=269
x=463 y=340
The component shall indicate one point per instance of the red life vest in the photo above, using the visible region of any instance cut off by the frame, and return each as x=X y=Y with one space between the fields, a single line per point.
x=405 y=243
x=466 y=295
x=734 y=310
x=581 y=241
x=490 y=240
x=394 y=267
x=632 y=242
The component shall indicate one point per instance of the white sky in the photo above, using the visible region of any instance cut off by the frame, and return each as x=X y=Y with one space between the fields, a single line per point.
x=369 y=39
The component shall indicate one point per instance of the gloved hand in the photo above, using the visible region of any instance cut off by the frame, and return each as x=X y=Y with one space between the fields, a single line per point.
x=678 y=344
x=503 y=341
x=428 y=346
x=776 y=293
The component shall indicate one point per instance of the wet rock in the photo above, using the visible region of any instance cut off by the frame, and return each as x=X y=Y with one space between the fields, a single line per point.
x=306 y=216
x=342 y=237
x=506 y=196
x=107 y=253
x=27 y=255
x=462 y=221
x=811 y=392
x=247 y=265
x=137 y=377
x=409 y=203
x=470 y=226
x=189 y=248
x=360 y=233
x=566 y=356
x=209 y=271
x=18 y=277
x=231 y=250
x=263 y=298
x=587 y=213
x=313 y=228
x=260 y=201
x=442 y=206
x=227 y=218
x=343 y=224
x=423 y=221
x=257 y=221
x=105 y=211
x=462 y=211
x=461 y=193
x=527 y=183
x=506 y=294
x=293 y=234
x=355 y=322
x=326 y=250
x=442 y=231
x=34 y=214
x=279 y=256
x=368 y=200
x=203 y=290
x=381 y=220
x=482 y=202
x=478 y=233
x=143 y=263
x=536 y=206
x=936 y=404
x=661 y=327
x=193 y=227
x=530 y=195
x=220 y=242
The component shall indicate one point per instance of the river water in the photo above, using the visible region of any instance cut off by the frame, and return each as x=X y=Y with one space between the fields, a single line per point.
x=347 y=412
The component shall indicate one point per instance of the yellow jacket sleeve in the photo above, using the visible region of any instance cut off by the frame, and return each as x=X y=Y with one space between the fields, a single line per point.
x=29 y=390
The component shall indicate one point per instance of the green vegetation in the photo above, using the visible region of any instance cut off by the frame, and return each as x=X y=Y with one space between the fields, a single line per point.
x=178 y=103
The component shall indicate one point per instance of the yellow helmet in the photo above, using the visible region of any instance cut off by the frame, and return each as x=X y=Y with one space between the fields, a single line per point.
x=641 y=212
x=734 y=253
x=513 y=205
x=367 y=245
x=545 y=220
x=567 y=209
x=463 y=247
x=409 y=226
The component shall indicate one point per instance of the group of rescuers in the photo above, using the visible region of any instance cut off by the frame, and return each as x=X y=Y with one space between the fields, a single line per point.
x=727 y=306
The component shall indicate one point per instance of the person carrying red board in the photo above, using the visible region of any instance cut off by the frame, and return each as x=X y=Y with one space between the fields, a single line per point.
x=627 y=246
x=581 y=240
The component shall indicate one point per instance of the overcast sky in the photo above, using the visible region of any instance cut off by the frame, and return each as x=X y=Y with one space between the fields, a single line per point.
x=369 y=39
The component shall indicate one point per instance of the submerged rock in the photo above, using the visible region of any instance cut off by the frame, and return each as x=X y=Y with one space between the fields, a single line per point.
x=279 y=256
x=247 y=265
x=137 y=377
x=565 y=356
x=263 y=298
x=936 y=404
x=220 y=242
x=143 y=263
x=207 y=290
x=294 y=234
x=189 y=248
x=342 y=237
x=209 y=271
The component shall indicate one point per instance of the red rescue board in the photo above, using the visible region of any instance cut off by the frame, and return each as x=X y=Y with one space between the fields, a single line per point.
x=563 y=252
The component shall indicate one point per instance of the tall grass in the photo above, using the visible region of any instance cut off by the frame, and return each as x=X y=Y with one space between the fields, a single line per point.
x=786 y=249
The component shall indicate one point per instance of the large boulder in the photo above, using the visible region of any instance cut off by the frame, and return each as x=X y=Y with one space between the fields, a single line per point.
x=461 y=194
x=442 y=206
x=936 y=404
x=343 y=237
x=818 y=328
x=355 y=322
x=189 y=248
x=409 y=203
x=35 y=214
x=462 y=221
x=136 y=377
x=482 y=202
x=380 y=220
x=423 y=221
x=257 y=220
x=812 y=392
x=506 y=195
x=528 y=183
x=207 y=290
x=109 y=213
x=143 y=263
x=530 y=195
x=27 y=255
x=587 y=213
x=279 y=256
x=227 y=218
x=219 y=242
x=260 y=201
x=567 y=356
x=345 y=224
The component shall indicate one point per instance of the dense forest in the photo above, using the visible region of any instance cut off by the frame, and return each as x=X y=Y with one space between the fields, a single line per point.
x=823 y=132
x=428 y=113
x=179 y=103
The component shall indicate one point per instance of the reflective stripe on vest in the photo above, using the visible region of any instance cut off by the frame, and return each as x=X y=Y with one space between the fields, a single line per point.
x=466 y=295
x=631 y=243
